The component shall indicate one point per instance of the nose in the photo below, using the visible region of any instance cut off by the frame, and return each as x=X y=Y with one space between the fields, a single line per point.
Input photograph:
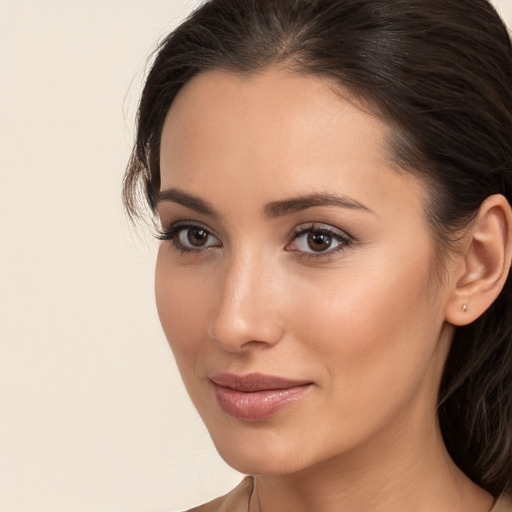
x=248 y=308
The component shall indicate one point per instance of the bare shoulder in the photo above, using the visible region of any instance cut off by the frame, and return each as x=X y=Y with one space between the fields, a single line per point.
x=235 y=501
x=504 y=504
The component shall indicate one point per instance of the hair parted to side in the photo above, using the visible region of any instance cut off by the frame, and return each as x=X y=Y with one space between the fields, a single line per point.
x=439 y=72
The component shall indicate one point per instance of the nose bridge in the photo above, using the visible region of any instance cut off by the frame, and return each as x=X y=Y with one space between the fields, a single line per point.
x=246 y=310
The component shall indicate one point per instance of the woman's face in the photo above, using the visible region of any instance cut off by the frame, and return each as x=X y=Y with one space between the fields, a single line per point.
x=296 y=284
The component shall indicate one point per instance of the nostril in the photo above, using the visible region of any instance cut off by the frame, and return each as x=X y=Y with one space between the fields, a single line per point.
x=234 y=333
x=232 y=346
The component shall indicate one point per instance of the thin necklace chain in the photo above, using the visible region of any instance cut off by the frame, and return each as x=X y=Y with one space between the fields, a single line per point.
x=250 y=495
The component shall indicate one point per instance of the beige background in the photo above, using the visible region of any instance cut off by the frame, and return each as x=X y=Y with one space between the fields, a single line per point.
x=93 y=415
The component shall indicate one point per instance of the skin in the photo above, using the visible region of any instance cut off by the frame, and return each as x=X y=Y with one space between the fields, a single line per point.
x=364 y=320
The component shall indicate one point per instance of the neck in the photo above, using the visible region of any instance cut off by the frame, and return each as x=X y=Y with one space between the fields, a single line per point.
x=413 y=472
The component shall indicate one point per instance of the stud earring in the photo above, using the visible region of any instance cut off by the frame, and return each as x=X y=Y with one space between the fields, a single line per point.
x=464 y=308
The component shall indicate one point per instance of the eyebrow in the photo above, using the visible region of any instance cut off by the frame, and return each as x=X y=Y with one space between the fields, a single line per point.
x=194 y=203
x=272 y=210
x=297 y=204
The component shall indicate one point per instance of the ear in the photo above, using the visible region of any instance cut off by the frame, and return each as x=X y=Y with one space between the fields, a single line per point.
x=481 y=270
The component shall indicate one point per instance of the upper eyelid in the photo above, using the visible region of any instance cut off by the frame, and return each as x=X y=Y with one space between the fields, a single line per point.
x=186 y=223
x=166 y=229
x=319 y=226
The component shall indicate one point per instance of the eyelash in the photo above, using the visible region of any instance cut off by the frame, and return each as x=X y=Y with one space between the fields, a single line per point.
x=345 y=240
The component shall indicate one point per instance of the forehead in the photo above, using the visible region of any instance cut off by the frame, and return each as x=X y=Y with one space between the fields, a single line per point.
x=276 y=133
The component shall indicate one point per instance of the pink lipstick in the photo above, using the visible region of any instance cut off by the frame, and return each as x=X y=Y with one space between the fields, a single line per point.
x=255 y=397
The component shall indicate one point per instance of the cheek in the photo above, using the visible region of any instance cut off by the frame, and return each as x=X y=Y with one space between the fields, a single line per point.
x=182 y=302
x=372 y=330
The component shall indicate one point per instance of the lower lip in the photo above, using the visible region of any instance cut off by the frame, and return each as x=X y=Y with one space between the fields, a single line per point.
x=257 y=405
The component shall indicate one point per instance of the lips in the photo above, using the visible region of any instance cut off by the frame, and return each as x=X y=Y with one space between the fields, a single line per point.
x=256 y=397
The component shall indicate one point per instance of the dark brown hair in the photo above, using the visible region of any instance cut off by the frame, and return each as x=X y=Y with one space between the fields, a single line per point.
x=440 y=73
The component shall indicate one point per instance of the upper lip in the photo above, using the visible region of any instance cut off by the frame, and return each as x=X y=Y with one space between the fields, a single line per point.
x=255 y=382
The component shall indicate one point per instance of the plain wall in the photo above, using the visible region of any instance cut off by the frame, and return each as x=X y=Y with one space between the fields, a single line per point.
x=93 y=415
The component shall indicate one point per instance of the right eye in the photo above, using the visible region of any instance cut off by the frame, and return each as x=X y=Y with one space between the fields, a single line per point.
x=189 y=237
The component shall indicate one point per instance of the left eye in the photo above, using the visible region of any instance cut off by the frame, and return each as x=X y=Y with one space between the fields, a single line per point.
x=194 y=237
x=189 y=237
x=318 y=240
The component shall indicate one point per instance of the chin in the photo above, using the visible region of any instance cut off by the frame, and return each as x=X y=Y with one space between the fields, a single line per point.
x=271 y=464
x=262 y=454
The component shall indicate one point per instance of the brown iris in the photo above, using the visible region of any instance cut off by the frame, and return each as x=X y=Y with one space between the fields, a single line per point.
x=197 y=236
x=318 y=241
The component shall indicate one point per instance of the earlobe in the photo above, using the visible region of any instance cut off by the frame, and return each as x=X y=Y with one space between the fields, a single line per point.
x=484 y=264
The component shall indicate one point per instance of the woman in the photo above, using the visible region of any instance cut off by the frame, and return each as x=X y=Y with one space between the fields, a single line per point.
x=332 y=180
